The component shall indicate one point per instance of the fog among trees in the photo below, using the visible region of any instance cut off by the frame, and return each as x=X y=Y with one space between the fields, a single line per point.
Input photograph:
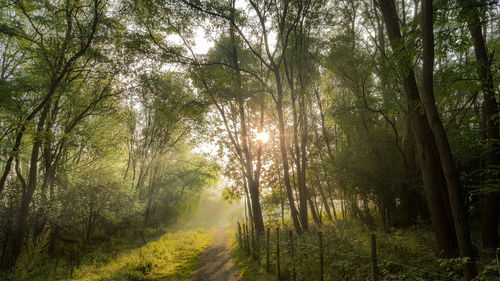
x=119 y=119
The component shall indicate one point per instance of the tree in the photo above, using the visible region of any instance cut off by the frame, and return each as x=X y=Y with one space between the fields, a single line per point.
x=240 y=109
x=447 y=162
x=434 y=182
x=58 y=61
x=471 y=11
x=167 y=111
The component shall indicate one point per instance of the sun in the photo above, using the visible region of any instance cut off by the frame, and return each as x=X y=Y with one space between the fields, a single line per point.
x=263 y=136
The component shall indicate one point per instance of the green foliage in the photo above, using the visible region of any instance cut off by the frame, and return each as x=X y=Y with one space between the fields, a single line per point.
x=71 y=60
x=402 y=255
x=249 y=269
x=172 y=257
x=97 y=126
x=489 y=271
x=33 y=265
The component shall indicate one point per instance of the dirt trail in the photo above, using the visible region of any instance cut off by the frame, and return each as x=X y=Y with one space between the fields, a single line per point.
x=216 y=262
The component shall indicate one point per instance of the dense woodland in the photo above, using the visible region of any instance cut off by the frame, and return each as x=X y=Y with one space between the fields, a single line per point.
x=383 y=112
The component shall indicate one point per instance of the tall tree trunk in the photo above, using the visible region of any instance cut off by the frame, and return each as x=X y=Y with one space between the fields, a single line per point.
x=258 y=167
x=325 y=201
x=280 y=184
x=434 y=183
x=257 y=211
x=297 y=159
x=443 y=146
x=342 y=205
x=410 y=151
x=314 y=211
x=150 y=196
x=247 y=201
x=330 y=195
x=253 y=182
x=303 y=159
x=7 y=231
x=284 y=156
x=22 y=216
x=489 y=211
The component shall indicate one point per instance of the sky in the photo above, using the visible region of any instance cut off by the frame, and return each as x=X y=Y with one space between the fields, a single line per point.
x=202 y=42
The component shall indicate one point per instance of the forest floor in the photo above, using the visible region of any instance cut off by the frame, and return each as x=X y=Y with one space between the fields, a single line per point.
x=216 y=262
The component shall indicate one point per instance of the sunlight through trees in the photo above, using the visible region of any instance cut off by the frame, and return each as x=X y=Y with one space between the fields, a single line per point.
x=119 y=117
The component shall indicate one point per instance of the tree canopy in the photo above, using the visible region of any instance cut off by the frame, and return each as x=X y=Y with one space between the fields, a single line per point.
x=382 y=111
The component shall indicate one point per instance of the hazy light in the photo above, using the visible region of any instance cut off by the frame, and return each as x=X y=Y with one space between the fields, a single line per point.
x=263 y=136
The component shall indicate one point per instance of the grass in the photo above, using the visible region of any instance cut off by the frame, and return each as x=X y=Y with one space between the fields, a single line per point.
x=404 y=254
x=172 y=257
x=249 y=268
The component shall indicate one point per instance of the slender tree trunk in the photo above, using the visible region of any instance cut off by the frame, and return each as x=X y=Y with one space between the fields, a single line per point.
x=342 y=205
x=303 y=159
x=20 y=135
x=333 y=204
x=314 y=211
x=297 y=158
x=443 y=146
x=65 y=66
x=490 y=210
x=280 y=184
x=4 y=258
x=253 y=185
x=258 y=167
x=253 y=182
x=150 y=196
x=411 y=165
x=257 y=212
x=247 y=200
x=434 y=183
x=22 y=216
x=284 y=156
x=325 y=201
x=90 y=226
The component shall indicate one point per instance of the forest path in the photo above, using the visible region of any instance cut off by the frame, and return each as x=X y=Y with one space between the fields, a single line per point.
x=216 y=262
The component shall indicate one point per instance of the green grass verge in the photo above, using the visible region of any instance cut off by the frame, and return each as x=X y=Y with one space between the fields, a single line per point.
x=172 y=257
x=403 y=254
x=249 y=268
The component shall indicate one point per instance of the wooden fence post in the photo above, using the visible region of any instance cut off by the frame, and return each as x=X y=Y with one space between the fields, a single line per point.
x=245 y=236
x=248 y=238
x=257 y=245
x=292 y=253
x=239 y=235
x=253 y=240
x=373 y=251
x=278 y=252
x=321 y=263
x=267 y=250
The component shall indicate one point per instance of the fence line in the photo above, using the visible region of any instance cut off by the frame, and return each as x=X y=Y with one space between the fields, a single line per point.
x=320 y=247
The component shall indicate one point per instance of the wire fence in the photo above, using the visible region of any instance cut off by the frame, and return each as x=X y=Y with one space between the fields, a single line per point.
x=326 y=255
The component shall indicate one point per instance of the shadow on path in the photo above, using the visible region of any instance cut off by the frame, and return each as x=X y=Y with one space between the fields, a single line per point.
x=216 y=262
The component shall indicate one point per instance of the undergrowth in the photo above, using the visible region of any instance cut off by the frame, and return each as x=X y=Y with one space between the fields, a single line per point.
x=249 y=268
x=172 y=256
x=402 y=254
